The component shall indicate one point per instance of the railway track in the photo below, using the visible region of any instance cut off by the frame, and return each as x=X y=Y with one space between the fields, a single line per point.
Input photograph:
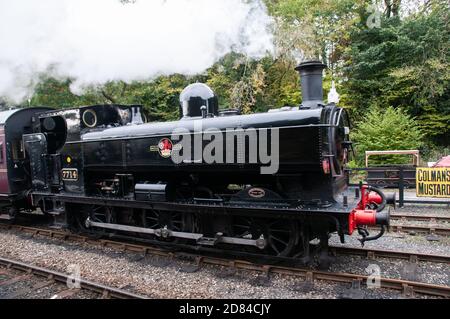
x=50 y=277
x=420 y=217
x=408 y=288
x=421 y=229
x=379 y=253
x=433 y=226
x=436 y=224
x=146 y=249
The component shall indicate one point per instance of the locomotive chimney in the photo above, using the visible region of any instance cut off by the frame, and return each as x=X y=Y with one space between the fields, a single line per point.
x=312 y=87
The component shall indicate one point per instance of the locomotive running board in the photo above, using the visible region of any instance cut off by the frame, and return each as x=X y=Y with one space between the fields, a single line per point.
x=201 y=208
x=167 y=233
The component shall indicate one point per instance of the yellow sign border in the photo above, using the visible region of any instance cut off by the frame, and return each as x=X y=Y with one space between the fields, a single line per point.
x=436 y=179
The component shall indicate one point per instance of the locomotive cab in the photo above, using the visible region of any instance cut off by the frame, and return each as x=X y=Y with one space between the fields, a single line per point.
x=15 y=180
x=55 y=152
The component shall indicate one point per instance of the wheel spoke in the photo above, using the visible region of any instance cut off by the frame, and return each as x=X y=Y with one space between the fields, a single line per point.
x=279 y=240
x=274 y=248
x=280 y=231
x=242 y=226
x=244 y=234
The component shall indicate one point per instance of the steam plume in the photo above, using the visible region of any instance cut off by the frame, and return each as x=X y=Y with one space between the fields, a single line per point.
x=103 y=40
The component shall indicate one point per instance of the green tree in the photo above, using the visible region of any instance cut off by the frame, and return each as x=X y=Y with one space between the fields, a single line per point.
x=406 y=64
x=389 y=129
x=159 y=97
x=56 y=93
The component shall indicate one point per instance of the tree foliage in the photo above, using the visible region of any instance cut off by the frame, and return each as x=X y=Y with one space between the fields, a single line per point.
x=404 y=64
x=386 y=129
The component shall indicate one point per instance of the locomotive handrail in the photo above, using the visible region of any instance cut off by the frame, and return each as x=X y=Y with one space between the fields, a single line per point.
x=338 y=117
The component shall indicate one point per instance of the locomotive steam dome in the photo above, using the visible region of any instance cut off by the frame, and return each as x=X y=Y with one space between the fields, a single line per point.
x=196 y=96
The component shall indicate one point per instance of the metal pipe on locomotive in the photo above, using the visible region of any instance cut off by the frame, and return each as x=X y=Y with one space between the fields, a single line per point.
x=101 y=168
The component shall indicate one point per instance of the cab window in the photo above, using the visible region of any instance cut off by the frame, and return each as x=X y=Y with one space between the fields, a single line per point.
x=18 y=152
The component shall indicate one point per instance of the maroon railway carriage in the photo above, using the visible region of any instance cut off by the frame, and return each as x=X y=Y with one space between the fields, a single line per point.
x=15 y=181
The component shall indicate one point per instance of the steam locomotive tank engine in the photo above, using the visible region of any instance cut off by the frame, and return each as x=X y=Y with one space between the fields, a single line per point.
x=270 y=181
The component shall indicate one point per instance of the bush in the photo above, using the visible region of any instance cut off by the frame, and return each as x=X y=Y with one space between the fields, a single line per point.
x=383 y=130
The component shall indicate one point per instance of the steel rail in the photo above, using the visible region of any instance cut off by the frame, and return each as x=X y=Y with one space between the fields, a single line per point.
x=429 y=229
x=421 y=229
x=406 y=286
x=419 y=217
x=381 y=253
x=120 y=245
x=105 y=291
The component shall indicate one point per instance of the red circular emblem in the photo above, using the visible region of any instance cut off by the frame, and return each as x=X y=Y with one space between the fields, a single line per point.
x=165 y=147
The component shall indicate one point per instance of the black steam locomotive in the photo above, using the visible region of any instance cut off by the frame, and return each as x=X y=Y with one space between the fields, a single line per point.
x=269 y=182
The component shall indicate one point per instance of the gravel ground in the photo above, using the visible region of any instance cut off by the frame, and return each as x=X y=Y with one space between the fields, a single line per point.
x=408 y=242
x=402 y=242
x=433 y=273
x=160 y=277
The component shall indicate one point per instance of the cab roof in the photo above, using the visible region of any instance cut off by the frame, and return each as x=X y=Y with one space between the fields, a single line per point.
x=4 y=115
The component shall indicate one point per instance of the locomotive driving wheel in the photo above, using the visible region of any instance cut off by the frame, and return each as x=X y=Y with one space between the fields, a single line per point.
x=77 y=216
x=103 y=214
x=156 y=219
x=174 y=221
x=281 y=235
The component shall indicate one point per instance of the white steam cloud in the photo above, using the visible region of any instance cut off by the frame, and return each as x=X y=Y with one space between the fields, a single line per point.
x=98 y=41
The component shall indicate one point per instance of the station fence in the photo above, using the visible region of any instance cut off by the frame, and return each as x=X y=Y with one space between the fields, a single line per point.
x=400 y=186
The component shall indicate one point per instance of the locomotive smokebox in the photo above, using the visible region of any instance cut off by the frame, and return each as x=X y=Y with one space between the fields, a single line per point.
x=311 y=80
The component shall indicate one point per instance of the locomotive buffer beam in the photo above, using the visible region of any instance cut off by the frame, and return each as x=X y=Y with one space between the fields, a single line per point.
x=167 y=233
